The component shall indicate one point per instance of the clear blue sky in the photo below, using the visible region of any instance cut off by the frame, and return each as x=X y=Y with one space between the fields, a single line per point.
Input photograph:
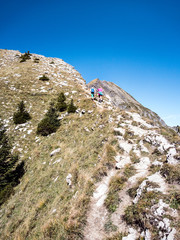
x=133 y=43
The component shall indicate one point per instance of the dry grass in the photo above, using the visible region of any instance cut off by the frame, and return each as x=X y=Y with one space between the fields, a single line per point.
x=112 y=201
x=43 y=188
x=44 y=206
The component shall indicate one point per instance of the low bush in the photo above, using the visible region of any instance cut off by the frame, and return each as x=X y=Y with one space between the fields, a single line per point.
x=49 y=124
x=61 y=104
x=71 y=108
x=171 y=173
x=44 y=78
x=25 y=56
x=136 y=214
x=10 y=171
x=21 y=116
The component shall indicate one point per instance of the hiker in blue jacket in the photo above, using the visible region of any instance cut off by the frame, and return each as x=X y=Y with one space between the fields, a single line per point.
x=92 y=93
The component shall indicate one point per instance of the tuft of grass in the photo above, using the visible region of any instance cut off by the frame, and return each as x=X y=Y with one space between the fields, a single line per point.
x=134 y=123
x=134 y=158
x=117 y=133
x=128 y=135
x=41 y=204
x=109 y=156
x=156 y=152
x=52 y=228
x=110 y=227
x=129 y=171
x=99 y=173
x=155 y=168
x=116 y=236
x=114 y=142
x=171 y=173
x=112 y=200
x=106 y=163
x=169 y=134
x=133 y=191
x=173 y=200
x=75 y=175
x=136 y=214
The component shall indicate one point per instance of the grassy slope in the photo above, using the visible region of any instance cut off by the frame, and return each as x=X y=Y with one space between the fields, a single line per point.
x=44 y=206
x=29 y=213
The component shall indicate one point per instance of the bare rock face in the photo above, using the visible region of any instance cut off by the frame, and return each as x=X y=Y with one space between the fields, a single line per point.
x=123 y=100
x=118 y=96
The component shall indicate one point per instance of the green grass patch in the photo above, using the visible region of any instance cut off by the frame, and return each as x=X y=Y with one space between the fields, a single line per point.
x=112 y=200
x=171 y=173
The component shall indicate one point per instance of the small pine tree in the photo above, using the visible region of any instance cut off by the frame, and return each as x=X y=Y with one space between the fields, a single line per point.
x=21 y=116
x=71 y=108
x=44 y=78
x=10 y=171
x=61 y=105
x=49 y=124
x=25 y=56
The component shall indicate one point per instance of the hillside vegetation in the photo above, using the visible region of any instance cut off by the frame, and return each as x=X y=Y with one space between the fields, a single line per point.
x=103 y=173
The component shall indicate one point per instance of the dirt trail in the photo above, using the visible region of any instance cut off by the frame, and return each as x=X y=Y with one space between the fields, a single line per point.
x=141 y=171
x=97 y=215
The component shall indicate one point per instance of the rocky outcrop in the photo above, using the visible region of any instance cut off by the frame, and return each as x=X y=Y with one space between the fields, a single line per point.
x=123 y=100
x=177 y=129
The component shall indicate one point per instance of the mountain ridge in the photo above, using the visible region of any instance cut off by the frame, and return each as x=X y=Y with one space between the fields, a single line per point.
x=124 y=100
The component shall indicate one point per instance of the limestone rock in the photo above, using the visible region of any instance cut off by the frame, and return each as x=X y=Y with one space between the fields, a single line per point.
x=55 y=151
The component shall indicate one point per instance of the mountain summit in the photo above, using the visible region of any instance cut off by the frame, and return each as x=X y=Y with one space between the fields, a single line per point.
x=91 y=170
x=123 y=100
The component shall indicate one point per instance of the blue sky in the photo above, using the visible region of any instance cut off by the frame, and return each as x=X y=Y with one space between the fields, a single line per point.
x=133 y=43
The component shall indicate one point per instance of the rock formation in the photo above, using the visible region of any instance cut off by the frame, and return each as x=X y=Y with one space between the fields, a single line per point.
x=121 y=99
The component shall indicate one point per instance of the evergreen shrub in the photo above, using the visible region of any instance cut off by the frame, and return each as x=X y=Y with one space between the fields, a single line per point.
x=21 y=116
x=44 y=78
x=25 y=56
x=49 y=124
x=71 y=108
x=10 y=171
x=61 y=104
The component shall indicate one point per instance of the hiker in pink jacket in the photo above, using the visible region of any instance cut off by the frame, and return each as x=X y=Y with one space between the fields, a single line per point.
x=100 y=94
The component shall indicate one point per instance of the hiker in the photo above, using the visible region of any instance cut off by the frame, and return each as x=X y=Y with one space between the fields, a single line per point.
x=100 y=94
x=178 y=129
x=92 y=93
